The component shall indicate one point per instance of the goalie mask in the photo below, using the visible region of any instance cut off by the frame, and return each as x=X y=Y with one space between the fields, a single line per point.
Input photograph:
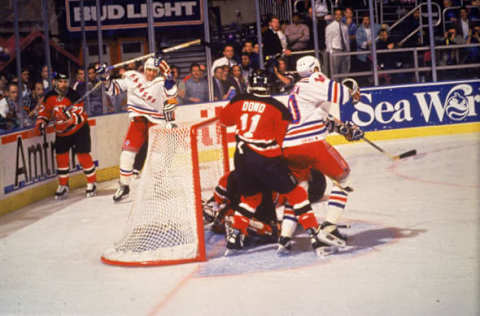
x=259 y=82
x=307 y=65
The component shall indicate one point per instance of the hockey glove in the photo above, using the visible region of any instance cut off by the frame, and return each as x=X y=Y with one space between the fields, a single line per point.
x=352 y=85
x=164 y=68
x=40 y=127
x=352 y=131
x=103 y=72
x=331 y=124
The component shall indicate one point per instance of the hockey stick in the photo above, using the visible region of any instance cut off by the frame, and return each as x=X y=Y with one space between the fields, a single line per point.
x=406 y=154
x=123 y=63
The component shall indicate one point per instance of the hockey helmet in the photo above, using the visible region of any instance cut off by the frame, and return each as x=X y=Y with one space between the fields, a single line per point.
x=60 y=75
x=259 y=82
x=150 y=63
x=307 y=65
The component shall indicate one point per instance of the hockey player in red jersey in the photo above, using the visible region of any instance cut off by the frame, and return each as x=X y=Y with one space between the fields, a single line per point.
x=261 y=123
x=305 y=147
x=72 y=132
x=150 y=100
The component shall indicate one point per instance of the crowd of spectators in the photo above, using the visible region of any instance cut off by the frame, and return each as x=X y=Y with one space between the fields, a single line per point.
x=283 y=43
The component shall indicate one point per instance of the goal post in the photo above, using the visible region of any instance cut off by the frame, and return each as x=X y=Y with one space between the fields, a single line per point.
x=165 y=224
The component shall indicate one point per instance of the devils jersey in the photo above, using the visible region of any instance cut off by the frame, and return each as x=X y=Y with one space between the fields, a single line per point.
x=144 y=98
x=56 y=107
x=260 y=122
x=309 y=103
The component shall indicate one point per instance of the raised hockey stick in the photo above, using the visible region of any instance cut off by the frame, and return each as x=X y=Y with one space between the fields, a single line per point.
x=123 y=63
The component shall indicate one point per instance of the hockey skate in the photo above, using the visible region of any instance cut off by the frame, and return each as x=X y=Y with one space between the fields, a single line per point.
x=320 y=248
x=285 y=245
x=234 y=241
x=122 y=193
x=62 y=192
x=91 y=190
x=329 y=234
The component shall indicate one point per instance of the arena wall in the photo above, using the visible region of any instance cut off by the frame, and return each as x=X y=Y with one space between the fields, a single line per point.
x=27 y=161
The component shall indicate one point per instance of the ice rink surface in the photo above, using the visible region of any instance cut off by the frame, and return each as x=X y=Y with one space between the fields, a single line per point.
x=414 y=250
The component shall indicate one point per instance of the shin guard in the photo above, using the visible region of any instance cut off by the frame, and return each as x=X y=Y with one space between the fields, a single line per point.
x=88 y=167
x=62 y=168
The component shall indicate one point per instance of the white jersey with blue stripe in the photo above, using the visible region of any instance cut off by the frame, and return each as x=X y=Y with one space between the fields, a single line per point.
x=309 y=103
x=144 y=98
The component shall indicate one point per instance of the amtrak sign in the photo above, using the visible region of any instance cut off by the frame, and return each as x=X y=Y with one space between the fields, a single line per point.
x=415 y=105
x=130 y=14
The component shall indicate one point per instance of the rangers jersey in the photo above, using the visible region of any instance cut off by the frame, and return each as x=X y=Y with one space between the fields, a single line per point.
x=261 y=122
x=58 y=107
x=144 y=98
x=309 y=103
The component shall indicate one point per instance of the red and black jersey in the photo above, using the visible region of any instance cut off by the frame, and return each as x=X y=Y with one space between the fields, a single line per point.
x=56 y=107
x=261 y=122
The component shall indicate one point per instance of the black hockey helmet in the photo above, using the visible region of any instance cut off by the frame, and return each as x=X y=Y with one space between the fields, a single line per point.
x=60 y=75
x=259 y=82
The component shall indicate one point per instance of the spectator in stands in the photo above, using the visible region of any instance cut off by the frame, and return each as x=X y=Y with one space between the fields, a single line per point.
x=227 y=82
x=44 y=78
x=8 y=109
x=336 y=37
x=298 y=34
x=320 y=14
x=282 y=82
x=237 y=80
x=253 y=57
x=175 y=71
x=227 y=59
x=464 y=25
x=352 y=27
x=364 y=42
x=196 y=88
x=247 y=68
x=4 y=54
x=95 y=98
x=218 y=86
x=3 y=85
x=451 y=14
x=474 y=52
x=26 y=85
x=79 y=84
x=272 y=44
x=408 y=26
x=386 y=61
x=450 y=56
x=37 y=98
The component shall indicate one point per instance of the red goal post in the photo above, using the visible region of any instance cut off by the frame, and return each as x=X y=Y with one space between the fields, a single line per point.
x=165 y=225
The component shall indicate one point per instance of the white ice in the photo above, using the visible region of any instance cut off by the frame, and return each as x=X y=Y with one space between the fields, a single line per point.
x=415 y=232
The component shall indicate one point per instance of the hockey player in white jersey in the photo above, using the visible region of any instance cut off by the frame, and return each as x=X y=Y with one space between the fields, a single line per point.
x=305 y=147
x=151 y=99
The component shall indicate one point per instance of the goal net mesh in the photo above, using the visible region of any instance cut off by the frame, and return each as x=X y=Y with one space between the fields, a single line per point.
x=165 y=225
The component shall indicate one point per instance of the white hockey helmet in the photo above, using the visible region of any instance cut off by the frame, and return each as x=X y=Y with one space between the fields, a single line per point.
x=306 y=66
x=150 y=63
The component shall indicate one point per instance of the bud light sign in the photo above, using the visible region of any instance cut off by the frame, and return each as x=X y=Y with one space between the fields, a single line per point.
x=415 y=105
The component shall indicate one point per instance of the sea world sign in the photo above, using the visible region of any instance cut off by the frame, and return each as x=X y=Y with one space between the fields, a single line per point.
x=130 y=14
x=415 y=105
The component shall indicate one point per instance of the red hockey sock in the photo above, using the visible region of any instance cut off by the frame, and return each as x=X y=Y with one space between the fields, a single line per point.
x=308 y=220
x=240 y=222
x=62 y=168
x=88 y=166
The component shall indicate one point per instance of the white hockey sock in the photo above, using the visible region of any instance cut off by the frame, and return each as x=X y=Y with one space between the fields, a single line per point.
x=127 y=159
x=289 y=223
x=336 y=204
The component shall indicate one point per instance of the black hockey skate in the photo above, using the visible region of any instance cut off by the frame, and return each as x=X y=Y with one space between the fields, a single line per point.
x=122 y=192
x=62 y=192
x=234 y=241
x=91 y=190
x=285 y=245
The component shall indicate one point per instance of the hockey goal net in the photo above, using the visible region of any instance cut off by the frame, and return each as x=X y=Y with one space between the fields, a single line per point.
x=165 y=225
